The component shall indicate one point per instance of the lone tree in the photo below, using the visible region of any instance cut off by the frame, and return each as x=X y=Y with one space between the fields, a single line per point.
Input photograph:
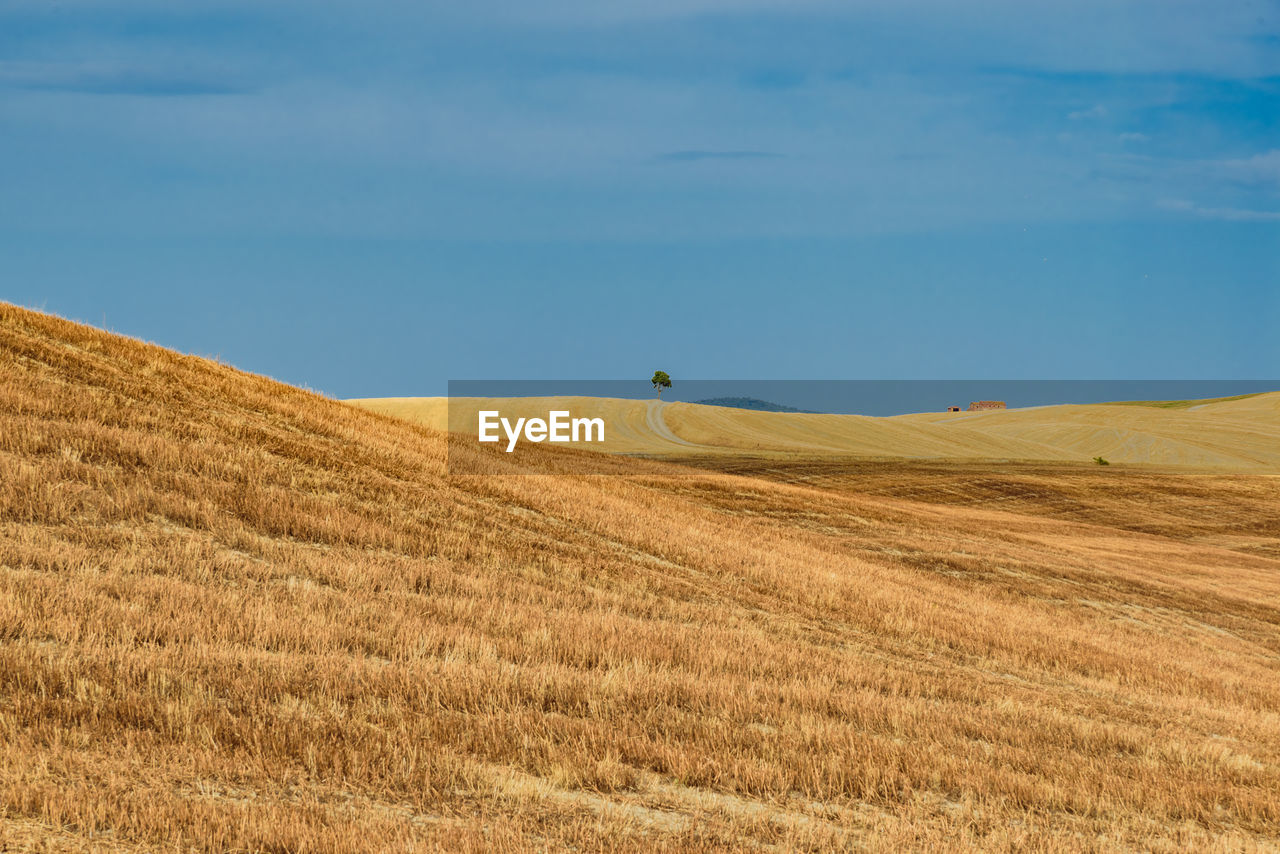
x=660 y=381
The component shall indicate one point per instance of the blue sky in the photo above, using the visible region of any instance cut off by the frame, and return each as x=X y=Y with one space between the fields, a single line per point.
x=373 y=198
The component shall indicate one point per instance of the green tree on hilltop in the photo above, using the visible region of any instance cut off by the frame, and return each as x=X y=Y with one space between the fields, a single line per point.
x=660 y=381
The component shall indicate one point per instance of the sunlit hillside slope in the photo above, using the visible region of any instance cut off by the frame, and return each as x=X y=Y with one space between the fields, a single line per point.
x=1239 y=434
x=238 y=616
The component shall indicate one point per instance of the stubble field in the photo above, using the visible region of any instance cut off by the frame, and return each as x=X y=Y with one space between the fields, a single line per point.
x=235 y=615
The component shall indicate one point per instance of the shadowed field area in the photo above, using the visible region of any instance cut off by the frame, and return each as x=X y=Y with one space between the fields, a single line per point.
x=236 y=615
x=1184 y=504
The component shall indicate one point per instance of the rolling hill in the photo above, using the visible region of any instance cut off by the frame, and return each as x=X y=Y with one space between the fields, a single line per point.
x=749 y=403
x=1241 y=434
x=236 y=615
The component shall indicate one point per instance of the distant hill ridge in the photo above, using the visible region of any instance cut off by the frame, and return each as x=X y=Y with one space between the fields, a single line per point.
x=750 y=403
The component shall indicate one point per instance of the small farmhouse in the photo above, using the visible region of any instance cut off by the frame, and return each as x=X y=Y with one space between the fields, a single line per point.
x=981 y=405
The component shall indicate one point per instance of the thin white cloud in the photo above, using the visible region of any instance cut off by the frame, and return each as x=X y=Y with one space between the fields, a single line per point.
x=1262 y=168
x=145 y=78
x=1229 y=214
x=1097 y=111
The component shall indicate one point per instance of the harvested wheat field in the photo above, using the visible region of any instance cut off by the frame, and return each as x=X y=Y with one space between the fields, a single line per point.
x=1238 y=434
x=235 y=615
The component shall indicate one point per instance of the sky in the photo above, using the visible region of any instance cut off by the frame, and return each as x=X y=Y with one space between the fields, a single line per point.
x=371 y=199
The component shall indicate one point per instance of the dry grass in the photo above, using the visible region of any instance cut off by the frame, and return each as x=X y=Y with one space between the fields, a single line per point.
x=237 y=616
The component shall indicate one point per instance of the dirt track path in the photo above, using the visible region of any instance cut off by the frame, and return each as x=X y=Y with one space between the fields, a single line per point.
x=658 y=424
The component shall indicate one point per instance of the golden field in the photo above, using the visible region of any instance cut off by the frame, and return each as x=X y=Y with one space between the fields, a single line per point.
x=235 y=615
x=1240 y=434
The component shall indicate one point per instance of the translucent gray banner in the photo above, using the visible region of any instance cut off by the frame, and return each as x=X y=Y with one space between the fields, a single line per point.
x=610 y=426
